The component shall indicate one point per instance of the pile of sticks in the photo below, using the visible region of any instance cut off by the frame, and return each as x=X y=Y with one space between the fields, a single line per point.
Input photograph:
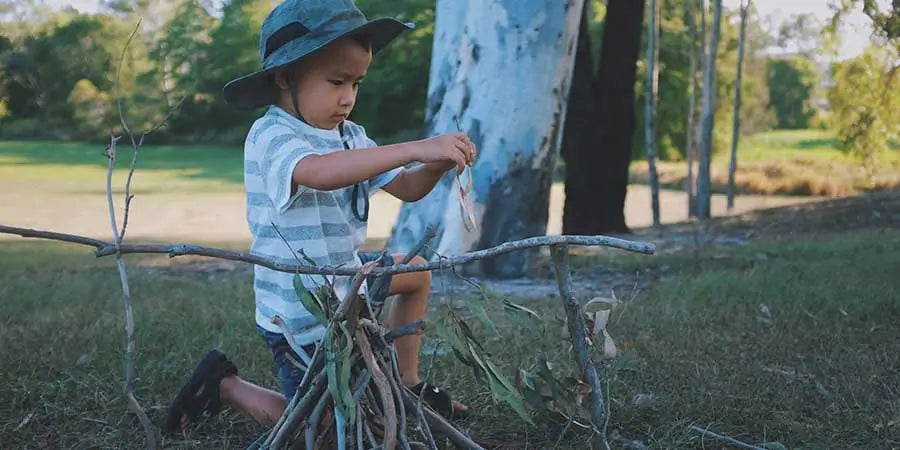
x=351 y=395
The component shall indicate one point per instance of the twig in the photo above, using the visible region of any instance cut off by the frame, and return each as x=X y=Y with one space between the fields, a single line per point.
x=173 y=250
x=440 y=425
x=403 y=330
x=384 y=390
x=560 y=254
x=564 y=430
x=53 y=236
x=119 y=76
x=303 y=408
x=423 y=424
x=313 y=421
x=128 y=386
x=727 y=439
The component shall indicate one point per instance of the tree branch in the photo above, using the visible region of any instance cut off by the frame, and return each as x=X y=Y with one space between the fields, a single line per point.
x=577 y=327
x=173 y=250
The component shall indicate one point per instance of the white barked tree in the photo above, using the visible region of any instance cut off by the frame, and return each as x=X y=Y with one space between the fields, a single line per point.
x=501 y=69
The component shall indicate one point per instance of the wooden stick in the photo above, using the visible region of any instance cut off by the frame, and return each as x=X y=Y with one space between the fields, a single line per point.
x=173 y=250
x=384 y=390
x=303 y=408
x=440 y=425
x=575 y=319
x=727 y=439
x=313 y=423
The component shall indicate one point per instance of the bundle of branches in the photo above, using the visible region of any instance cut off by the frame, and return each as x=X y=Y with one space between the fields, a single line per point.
x=351 y=395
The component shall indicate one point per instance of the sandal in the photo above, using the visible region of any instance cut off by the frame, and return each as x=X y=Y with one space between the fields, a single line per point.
x=201 y=392
x=439 y=400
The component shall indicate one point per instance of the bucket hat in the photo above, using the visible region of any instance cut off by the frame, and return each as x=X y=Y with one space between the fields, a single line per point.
x=294 y=30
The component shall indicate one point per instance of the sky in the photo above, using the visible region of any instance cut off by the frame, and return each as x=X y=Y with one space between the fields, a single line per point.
x=854 y=32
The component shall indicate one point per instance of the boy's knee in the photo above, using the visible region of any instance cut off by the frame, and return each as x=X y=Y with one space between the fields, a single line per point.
x=420 y=260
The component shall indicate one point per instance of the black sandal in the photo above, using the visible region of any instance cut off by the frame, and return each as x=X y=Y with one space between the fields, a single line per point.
x=201 y=392
x=439 y=400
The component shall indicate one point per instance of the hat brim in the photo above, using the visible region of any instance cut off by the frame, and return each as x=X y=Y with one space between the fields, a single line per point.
x=258 y=89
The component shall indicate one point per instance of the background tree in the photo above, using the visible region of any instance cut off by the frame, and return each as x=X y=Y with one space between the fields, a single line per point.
x=707 y=116
x=792 y=82
x=735 y=137
x=597 y=174
x=864 y=101
x=507 y=84
x=650 y=104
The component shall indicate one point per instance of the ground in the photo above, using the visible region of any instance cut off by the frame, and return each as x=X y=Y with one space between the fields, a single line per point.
x=776 y=325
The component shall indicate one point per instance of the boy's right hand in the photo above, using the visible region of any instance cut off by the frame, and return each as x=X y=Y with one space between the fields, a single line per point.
x=446 y=151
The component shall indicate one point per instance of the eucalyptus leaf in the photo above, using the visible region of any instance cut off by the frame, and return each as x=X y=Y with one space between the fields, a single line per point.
x=309 y=301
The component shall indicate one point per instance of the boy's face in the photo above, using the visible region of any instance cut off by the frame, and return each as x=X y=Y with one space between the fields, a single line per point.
x=327 y=83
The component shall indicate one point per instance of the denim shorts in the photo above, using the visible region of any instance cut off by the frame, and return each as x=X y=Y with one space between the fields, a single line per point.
x=289 y=375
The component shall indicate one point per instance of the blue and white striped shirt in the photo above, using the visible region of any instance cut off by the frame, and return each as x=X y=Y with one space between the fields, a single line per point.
x=321 y=223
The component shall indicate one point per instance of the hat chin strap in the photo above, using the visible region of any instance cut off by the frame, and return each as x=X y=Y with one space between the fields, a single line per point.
x=292 y=82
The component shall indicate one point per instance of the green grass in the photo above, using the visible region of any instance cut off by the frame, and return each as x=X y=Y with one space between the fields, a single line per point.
x=818 y=371
x=81 y=168
x=788 y=162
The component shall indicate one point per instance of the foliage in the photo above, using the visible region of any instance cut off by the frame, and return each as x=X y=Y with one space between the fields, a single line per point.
x=674 y=81
x=792 y=82
x=865 y=99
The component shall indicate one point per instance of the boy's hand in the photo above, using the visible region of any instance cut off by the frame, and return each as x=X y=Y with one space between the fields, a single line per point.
x=446 y=151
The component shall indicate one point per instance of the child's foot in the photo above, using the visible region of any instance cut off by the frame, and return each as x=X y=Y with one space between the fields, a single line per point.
x=441 y=401
x=201 y=392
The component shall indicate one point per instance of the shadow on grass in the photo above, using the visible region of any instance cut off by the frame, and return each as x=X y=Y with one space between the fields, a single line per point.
x=199 y=162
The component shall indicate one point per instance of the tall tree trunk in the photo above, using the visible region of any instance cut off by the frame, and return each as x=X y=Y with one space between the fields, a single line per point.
x=579 y=134
x=595 y=201
x=736 y=129
x=650 y=105
x=708 y=114
x=503 y=69
x=690 y=148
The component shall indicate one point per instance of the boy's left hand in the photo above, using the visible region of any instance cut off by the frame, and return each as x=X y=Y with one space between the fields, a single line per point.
x=443 y=166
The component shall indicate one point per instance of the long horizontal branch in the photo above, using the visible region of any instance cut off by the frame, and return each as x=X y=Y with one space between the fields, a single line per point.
x=107 y=249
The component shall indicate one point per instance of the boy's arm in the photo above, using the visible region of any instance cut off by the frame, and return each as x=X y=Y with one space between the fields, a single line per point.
x=411 y=185
x=346 y=168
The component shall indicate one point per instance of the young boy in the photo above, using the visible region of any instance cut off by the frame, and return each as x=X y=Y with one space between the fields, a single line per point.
x=308 y=174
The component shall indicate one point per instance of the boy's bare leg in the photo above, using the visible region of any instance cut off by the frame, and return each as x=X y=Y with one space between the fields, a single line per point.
x=413 y=289
x=266 y=406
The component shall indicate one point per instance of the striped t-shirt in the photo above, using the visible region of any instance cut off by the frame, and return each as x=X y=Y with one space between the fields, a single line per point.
x=321 y=223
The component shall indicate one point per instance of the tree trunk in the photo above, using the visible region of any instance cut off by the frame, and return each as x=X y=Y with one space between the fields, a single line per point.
x=579 y=134
x=502 y=69
x=708 y=114
x=650 y=105
x=595 y=195
x=736 y=129
x=690 y=148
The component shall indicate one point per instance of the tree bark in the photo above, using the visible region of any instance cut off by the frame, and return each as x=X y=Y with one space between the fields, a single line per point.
x=736 y=128
x=650 y=105
x=503 y=70
x=595 y=194
x=579 y=133
x=708 y=114
x=690 y=148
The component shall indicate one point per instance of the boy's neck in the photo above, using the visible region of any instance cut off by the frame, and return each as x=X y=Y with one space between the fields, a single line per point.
x=296 y=115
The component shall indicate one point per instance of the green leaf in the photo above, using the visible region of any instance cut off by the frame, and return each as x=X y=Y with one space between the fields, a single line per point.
x=499 y=375
x=477 y=307
x=331 y=369
x=527 y=312
x=511 y=397
x=468 y=334
x=309 y=302
x=346 y=390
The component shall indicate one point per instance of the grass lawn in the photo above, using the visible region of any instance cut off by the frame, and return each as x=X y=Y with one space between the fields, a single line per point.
x=791 y=162
x=76 y=167
x=794 y=340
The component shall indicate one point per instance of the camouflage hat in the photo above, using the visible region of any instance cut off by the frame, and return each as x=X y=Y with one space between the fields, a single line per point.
x=297 y=28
